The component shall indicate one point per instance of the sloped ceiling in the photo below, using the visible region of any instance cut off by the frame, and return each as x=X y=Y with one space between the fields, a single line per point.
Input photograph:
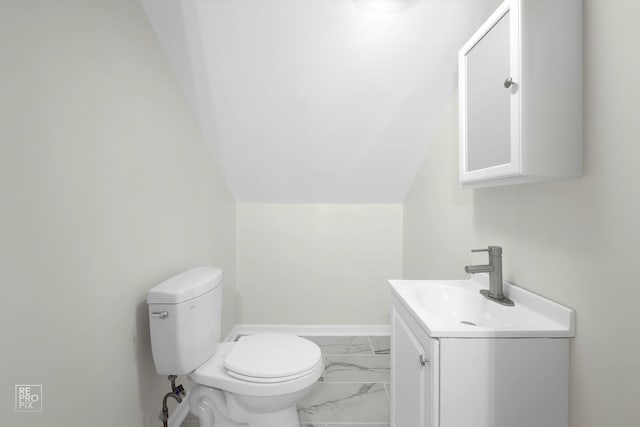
x=316 y=101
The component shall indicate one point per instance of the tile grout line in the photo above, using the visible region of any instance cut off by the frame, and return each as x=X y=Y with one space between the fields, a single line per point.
x=354 y=354
x=357 y=382
x=371 y=345
x=343 y=424
x=324 y=368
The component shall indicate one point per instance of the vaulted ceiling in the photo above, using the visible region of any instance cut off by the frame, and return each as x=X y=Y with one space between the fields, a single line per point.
x=317 y=101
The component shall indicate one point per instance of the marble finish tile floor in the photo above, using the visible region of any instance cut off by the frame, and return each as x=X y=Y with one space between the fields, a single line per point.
x=353 y=391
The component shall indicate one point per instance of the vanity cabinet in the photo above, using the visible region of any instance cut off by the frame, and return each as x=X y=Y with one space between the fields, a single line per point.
x=475 y=382
x=520 y=89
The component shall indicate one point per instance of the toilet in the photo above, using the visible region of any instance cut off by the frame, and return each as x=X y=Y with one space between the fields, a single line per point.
x=253 y=382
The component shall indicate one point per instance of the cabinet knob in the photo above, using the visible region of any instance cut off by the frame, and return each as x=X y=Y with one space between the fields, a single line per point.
x=509 y=82
x=422 y=360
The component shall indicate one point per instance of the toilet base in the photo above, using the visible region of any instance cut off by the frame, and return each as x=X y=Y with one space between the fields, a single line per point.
x=215 y=408
x=287 y=417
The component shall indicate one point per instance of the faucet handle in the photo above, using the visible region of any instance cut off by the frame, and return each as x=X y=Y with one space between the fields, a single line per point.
x=493 y=250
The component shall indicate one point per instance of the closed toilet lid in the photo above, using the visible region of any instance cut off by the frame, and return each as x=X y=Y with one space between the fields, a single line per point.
x=265 y=380
x=272 y=355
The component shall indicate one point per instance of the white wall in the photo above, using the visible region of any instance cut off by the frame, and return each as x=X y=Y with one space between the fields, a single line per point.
x=317 y=264
x=106 y=188
x=574 y=241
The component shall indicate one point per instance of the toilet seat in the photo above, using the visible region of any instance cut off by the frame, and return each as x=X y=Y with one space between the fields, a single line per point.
x=213 y=373
x=271 y=357
x=268 y=380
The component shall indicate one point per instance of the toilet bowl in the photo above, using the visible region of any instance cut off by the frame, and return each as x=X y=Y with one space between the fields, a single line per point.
x=262 y=378
x=253 y=382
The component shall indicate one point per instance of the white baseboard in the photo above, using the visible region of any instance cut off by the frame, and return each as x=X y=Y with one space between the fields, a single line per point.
x=311 y=330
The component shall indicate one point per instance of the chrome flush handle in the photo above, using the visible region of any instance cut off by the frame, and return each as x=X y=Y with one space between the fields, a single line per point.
x=160 y=314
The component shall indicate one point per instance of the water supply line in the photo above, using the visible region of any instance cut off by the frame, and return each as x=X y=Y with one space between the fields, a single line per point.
x=177 y=393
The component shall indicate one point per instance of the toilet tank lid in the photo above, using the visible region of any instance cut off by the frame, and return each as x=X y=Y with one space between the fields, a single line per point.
x=185 y=286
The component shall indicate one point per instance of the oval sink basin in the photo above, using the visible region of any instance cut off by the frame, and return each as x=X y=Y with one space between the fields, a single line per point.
x=455 y=308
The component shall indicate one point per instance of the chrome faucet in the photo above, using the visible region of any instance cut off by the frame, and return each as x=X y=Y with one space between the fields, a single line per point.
x=494 y=268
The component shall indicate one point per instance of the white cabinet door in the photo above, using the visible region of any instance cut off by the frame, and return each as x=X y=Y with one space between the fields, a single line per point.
x=520 y=115
x=411 y=385
x=489 y=104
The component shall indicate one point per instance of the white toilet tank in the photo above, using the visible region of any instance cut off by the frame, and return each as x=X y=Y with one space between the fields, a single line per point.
x=184 y=319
